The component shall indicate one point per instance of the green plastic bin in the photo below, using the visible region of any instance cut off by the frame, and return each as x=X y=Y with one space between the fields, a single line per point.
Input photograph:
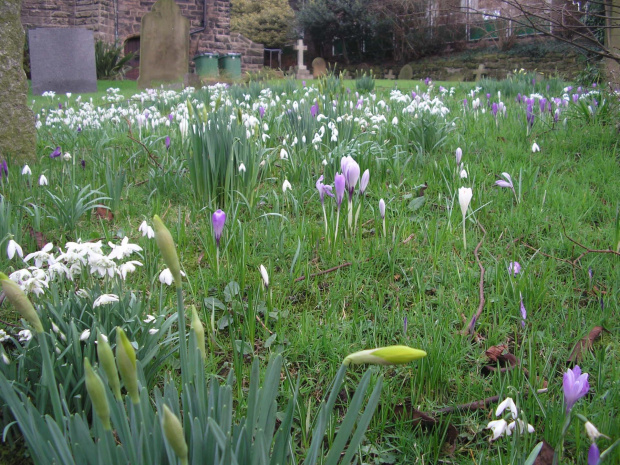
x=207 y=65
x=230 y=65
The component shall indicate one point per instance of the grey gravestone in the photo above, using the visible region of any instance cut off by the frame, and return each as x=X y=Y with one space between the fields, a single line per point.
x=319 y=68
x=406 y=73
x=390 y=75
x=480 y=72
x=164 y=46
x=62 y=60
x=17 y=131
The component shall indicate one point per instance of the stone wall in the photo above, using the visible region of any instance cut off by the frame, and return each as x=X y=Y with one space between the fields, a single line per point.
x=119 y=20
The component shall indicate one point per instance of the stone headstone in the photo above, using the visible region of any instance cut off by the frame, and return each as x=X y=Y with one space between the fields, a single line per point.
x=62 y=60
x=164 y=46
x=319 y=68
x=480 y=72
x=17 y=131
x=302 y=71
x=390 y=75
x=406 y=73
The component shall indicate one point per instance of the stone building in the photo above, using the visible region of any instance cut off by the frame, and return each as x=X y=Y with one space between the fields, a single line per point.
x=118 y=21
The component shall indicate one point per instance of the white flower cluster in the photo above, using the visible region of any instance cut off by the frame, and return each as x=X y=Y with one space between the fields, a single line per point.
x=502 y=427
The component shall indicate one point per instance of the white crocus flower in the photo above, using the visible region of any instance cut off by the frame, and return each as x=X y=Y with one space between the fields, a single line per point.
x=105 y=299
x=26 y=170
x=592 y=432
x=146 y=230
x=42 y=180
x=465 y=196
x=14 y=248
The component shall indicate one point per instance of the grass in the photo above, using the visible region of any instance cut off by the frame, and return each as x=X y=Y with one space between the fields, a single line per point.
x=420 y=273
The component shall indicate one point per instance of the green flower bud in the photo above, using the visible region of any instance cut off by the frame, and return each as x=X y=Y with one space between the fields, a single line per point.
x=106 y=361
x=199 y=330
x=392 y=355
x=167 y=248
x=96 y=391
x=126 y=360
x=173 y=430
x=21 y=303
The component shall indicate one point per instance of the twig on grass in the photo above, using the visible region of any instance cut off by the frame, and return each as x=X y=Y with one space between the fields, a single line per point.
x=151 y=156
x=302 y=277
x=476 y=405
x=472 y=322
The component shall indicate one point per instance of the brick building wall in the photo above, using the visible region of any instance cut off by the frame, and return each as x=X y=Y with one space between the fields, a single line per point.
x=119 y=20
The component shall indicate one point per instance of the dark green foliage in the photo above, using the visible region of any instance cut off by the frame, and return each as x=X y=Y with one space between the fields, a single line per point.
x=110 y=62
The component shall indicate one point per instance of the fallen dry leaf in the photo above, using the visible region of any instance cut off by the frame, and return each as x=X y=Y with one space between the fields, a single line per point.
x=104 y=214
x=38 y=237
x=585 y=344
x=545 y=456
x=506 y=361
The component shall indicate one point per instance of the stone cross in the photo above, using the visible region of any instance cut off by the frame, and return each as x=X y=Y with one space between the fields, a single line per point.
x=480 y=72
x=390 y=75
x=300 y=47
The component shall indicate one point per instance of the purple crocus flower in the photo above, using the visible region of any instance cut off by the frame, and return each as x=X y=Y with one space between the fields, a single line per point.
x=314 y=109
x=590 y=272
x=427 y=81
x=514 y=268
x=542 y=103
x=523 y=311
x=339 y=184
x=575 y=98
x=167 y=142
x=529 y=112
x=79 y=129
x=217 y=220
x=60 y=106
x=170 y=117
x=364 y=181
x=56 y=153
x=323 y=189
x=507 y=183
x=465 y=102
x=575 y=386
x=360 y=102
x=351 y=172
x=261 y=111
x=83 y=163
x=494 y=109
x=459 y=155
x=413 y=94
x=556 y=115
x=594 y=455
x=518 y=99
x=4 y=170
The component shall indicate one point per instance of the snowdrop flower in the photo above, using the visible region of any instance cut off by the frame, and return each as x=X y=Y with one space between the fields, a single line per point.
x=6 y=360
x=37 y=283
x=242 y=168
x=153 y=331
x=102 y=265
x=42 y=256
x=14 y=248
x=283 y=154
x=463 y=174
x=522 y=427
x=66 y=156
x=125 y=249
x=105 y=299
x=24 y=335
x=85 y=335
x=395 y=121
x=149 y=319
x=264 y=275
x=3 y=336
x=146 y=230
x=42 y=180
x=508 y=403
x=535 y=148
x=127 y=267
x=26 y=170
x=165 y=277
x=286 y=186
x=498 y=427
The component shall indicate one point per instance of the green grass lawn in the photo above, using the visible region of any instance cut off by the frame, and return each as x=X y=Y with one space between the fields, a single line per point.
x=418 y=284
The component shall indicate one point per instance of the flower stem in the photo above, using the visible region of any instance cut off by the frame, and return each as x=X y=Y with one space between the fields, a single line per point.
x=182 y=337
x=337 y=220
x=325 y=221
x=464 y=235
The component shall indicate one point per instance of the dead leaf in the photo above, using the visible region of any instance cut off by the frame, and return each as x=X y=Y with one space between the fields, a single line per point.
x=428 y=422
x=104 y=214
x=422 y=189
x=545 y=456
x=200 y=257
x=411 y=236
x=38 y=237
x=496 y=356
x=585 y=344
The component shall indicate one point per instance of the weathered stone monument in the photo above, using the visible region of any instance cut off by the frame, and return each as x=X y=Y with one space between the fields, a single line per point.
x=319 y=67
x=480 y=72
x=17 y=131
x=62 y=60
x=389 y=75
x=164 y=46
x=406 y=73
x=302 y=71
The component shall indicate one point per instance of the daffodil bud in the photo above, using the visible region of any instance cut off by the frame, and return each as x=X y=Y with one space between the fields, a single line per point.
x=173 y=430
x=167 y=248
x=126 y=360
x=106 y=361
x=21 y=303
x=392 y=355
x=96 y=391
x=199 y=330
